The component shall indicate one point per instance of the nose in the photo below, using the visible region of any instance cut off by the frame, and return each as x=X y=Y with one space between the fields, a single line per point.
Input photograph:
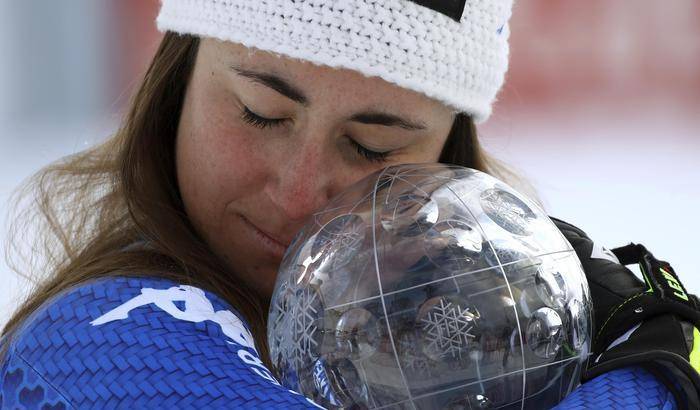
x=302 y=180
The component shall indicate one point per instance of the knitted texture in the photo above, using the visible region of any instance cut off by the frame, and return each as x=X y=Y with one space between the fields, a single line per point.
x=63 y=357
x=628 y=388
x=80 y=350
x=462 y=64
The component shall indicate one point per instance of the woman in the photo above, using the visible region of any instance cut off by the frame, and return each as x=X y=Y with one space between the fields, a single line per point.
x=164 y=241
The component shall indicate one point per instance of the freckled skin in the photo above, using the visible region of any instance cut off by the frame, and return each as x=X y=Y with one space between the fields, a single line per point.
x=277 y=177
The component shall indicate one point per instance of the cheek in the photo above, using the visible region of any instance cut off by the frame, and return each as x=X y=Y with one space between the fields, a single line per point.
x=217 y=161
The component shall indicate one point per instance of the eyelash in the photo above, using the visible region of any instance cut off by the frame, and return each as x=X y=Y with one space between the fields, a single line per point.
x=262 y=123
x=258 y=121
x=368 y=154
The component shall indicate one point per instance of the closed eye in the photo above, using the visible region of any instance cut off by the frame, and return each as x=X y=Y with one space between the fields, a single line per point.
x=261 y=122
x=368 y=154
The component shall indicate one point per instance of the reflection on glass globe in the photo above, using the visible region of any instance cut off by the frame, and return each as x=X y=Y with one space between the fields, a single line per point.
x=578 y=323
x=551 y=285
x=340 y=240
x=338 y=384
x=430 y=287
x=357 y=333
x=480 y=401
x=473 y=401
x=544 y=333
x=409 y=215
x=508 y=211
x=453 y=245
x=459 y=236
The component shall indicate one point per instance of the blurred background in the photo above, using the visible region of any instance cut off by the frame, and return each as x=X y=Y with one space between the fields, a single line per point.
x=600 y=111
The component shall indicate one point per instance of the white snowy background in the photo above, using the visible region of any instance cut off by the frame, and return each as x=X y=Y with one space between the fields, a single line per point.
x=600 y=113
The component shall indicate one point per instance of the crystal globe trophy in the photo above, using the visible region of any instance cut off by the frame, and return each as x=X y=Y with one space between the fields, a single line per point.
x=430 y=287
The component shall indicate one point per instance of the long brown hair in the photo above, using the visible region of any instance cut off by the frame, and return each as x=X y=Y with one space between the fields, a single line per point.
x=91 y=206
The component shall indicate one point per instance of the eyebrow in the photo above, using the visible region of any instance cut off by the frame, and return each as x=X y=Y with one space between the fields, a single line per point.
x=283 y=87
x=276 y=83
x=389 y=120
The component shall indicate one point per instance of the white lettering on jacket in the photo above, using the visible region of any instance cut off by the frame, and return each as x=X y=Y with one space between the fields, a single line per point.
x=197 y=309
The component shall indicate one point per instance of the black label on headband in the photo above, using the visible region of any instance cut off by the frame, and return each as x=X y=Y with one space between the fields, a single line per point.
x=451 y=8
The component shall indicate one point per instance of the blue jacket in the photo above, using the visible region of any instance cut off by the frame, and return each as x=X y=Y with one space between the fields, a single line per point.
x=151 y=343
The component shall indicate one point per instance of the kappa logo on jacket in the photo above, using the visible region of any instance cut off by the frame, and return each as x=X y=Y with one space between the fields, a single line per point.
x=197 y=309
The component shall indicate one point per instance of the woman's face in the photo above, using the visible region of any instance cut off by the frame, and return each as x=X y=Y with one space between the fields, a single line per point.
x=249 y=184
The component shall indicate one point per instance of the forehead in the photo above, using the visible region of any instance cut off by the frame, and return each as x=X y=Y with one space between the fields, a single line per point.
x=317 y=81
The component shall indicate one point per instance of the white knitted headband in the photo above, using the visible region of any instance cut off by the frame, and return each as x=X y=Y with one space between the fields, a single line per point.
x=455 y=51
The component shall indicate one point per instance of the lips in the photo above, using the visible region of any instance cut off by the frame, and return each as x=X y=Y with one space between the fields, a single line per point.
x=275 y=239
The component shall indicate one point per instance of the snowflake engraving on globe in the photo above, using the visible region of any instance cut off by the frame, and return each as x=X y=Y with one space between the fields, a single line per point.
x=430 y=286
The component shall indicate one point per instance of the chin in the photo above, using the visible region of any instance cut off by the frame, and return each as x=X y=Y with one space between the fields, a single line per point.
x=259 y=277
x=250 y=264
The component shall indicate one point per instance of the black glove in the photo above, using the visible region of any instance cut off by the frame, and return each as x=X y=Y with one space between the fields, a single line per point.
x=652 y=323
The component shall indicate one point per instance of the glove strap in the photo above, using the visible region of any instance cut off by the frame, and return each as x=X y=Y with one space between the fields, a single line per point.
x=664 y=294
x=659 y=275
